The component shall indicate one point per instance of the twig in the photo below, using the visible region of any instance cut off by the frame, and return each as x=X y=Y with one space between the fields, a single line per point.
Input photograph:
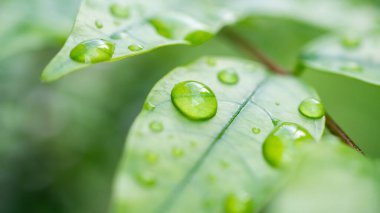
x=255 y=53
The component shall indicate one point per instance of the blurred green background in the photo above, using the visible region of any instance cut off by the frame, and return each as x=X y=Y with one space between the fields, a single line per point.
x=60 y=142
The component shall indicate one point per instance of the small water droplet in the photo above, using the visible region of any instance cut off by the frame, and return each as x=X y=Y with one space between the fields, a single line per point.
x=275 y=121
x=194 y=100
x=149 y=106
x=279 y=146
x=151 y=157
x=177 y=152
x=277 y=103
x=256 y=130
x=351 y=42
x=224 y=164
x=156 y=126
x=161 y=28
x=118 y=35
x=135 y=47
x=228 y=76
x=208 y=204
x=211 y=62
x=198 y=37
x=312 y=108
x=211 y=178
x=352 y=66
x=238 y=203
x=146 y=179
x=99 y=24
x=93 y=51
x=193 y=144
x=119 y=11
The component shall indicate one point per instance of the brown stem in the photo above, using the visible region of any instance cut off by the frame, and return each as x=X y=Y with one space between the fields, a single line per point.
x=255 y=53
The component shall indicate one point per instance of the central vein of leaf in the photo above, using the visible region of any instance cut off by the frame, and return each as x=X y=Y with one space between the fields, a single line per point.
x=166 y=205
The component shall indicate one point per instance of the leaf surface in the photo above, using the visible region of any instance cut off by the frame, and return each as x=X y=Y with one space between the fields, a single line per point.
x=138 y=26
x=181 y=165
x=351 y=56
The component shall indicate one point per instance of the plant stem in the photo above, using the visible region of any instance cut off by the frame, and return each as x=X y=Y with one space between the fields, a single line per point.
x=255 y=53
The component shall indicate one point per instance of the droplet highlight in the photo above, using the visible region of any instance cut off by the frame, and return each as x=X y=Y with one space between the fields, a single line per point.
x=312 y=108
x=194 y=100
x=93 y=51
x=280 y=145
x=228 y=76
x=239 y=203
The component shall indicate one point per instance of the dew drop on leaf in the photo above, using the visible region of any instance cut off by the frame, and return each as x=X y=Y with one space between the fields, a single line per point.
x=211 y=62
x=118 y=35
x=177 y=152
x=135 y=47
x=198 y=37
x=161 y=28
x=156 y=126
x=93 y=51
x=119 y=11
x=194 y=100
x=352 y=67
x=256 y=130
x=99 y=24
x=151 y=157
x=312 y=108
x=228 y=76
x=275 y=121
x=351 y=42
x=238 y=203
x=278 y=147
x=149 y=106
x=146 y=179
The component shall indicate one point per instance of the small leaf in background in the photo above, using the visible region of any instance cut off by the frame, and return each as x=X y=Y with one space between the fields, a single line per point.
x=139 y=26
x=352 y=56
x=215 y=164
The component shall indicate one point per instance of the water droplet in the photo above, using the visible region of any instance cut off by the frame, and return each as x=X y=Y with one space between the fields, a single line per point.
x=194 y=100
x=228 y=77
x=119 y=11
x=351 y=42
x=224 y=164
x=193 y=144
x=177 y=152
x=93 y=51
x=211 y=62
x=118 y=35
x=161 y=28
x=238 y=203
x=151 y=157
x=135 y=47
x=275 y=121
x=256 y=130
x=352 y=66
x=198 y=37
x=277 y=103
x=146 y=179
x=278 y=147
x=149 y=106
x=312 y=108
x=211 y=178
x=156 y=126
x=98 y=24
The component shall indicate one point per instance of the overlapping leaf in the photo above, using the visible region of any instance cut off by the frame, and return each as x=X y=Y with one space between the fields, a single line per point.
x=138 y=26
x=180 y=165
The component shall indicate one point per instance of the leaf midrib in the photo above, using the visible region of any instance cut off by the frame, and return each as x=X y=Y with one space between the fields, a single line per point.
x=167 y=204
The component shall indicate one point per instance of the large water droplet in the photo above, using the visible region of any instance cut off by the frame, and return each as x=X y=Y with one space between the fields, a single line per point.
x=351 y=42
x=99 y=24
x=135 y=47
x=352 y=67
x=162 y=28
x=198 y=37
x=238 y=203
x=228 y=76
x=146 y=179
x=312 y=108
x=151 y=157
x=93 y=51
x=120 y=11
x=194 y=100
x=156 y=126
x=278 y=147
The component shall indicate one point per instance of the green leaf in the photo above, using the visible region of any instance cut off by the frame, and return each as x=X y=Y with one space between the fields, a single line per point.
x=138 y=26
x=352 y=56
x=182 y=165
x=330 y=178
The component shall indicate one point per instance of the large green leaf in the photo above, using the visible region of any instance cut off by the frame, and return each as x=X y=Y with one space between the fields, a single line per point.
x=350 y=56
x=179 y=165
x=138 y=26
